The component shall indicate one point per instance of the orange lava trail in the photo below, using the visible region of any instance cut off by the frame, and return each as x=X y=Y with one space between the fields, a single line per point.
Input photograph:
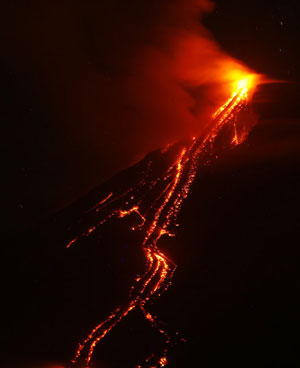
x=159 y=216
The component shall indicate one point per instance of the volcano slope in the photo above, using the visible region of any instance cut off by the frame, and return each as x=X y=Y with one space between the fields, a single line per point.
x=234 y=294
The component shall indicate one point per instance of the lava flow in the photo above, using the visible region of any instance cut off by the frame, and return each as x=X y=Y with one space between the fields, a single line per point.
x=155 y=202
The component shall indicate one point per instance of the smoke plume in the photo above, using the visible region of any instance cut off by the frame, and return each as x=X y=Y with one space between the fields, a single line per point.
x=114 y=81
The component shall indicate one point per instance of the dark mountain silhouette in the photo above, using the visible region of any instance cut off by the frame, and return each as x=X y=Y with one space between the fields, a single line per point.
x=234 y=297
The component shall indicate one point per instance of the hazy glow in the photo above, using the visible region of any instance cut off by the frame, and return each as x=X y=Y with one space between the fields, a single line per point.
x=246 y=83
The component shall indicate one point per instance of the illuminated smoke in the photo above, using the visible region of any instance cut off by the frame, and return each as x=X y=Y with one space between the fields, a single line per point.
x=181 y=77
x=117 y=80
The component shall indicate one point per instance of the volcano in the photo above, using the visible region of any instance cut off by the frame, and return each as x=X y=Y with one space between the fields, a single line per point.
x=101 y=267
x=156 y=198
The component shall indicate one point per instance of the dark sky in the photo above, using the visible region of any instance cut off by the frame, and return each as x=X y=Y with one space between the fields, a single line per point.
x=265 y=34
x=89 y=87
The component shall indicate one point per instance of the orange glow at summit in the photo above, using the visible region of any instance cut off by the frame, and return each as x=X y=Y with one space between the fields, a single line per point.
x=246 y=83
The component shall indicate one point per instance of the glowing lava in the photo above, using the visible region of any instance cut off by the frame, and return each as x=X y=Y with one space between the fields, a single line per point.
x=157 y=216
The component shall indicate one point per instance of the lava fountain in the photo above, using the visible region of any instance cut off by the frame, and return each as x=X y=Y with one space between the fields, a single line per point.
x=156 y=203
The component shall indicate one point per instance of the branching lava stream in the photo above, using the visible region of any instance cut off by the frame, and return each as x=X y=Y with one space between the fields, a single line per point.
x=157 y=218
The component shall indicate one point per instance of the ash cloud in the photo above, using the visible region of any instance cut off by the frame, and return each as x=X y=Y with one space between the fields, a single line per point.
x=113 y=80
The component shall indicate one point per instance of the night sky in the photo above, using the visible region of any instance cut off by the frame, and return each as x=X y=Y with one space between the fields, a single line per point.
x=89 y=88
